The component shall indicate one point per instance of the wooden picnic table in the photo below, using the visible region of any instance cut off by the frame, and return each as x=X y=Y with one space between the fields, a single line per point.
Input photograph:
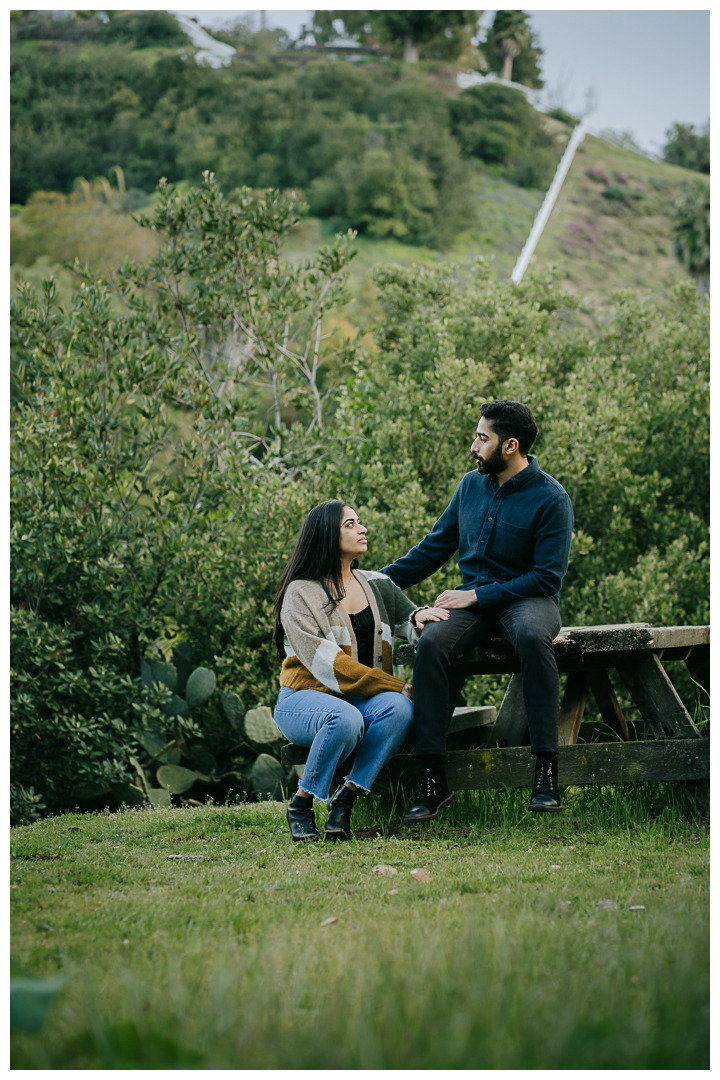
x=487 y=747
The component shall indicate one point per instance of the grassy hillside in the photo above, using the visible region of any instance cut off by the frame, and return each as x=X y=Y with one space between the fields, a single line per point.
x=603 y=243
x=622 y=241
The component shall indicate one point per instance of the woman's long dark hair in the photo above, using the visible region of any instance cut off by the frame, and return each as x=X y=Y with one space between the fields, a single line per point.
x=316 y=558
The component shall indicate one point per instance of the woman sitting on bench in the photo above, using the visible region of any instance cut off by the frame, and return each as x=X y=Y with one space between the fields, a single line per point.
x=334 y=628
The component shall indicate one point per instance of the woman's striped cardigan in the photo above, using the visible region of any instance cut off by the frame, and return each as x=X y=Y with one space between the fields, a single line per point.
x=320 y=645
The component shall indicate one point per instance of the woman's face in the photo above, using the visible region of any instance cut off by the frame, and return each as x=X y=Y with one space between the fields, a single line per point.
x=353 y=540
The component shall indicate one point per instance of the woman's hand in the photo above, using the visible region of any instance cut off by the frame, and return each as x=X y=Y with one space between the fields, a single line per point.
x=429 y=614
x=407 y=690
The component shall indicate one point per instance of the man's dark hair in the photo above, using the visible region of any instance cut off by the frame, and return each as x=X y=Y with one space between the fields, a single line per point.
x=511 y=420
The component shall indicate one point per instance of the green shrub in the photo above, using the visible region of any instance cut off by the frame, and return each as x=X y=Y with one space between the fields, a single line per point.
x=497 y=125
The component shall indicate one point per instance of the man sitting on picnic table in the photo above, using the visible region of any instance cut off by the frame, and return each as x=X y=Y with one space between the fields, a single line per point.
x=511 y=525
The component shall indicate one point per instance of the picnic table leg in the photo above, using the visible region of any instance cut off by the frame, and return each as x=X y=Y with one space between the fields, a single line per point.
x=511 y=727
x=573 y=707
x=656 y=697
x=607 y=703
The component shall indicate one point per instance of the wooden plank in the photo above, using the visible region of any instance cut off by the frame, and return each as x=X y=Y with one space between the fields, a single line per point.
x=656 y=697
x=573 y=707
x=607 y=703
x=581 y=765
x=673 y=637
x=471 y=717
x=581 y=640
x=511 y=726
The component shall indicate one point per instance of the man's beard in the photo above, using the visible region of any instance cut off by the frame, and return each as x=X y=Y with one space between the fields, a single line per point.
x=492 y=465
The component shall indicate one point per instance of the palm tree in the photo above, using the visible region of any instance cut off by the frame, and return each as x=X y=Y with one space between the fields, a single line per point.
x=509 y=35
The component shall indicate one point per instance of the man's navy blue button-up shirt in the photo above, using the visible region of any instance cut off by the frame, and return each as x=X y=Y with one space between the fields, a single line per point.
x=512 y=541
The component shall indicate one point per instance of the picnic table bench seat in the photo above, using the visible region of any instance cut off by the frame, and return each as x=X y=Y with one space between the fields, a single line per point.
x=487 y=748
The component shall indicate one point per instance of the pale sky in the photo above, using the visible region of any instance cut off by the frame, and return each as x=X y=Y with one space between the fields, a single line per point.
x=647 y=69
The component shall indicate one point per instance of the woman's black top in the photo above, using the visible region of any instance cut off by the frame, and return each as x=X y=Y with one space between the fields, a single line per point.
x=363 y=623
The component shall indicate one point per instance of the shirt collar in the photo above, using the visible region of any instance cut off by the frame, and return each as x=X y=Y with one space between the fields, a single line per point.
x=532 y=469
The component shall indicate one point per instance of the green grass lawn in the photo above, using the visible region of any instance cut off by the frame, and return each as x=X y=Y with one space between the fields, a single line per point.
x=522 y=950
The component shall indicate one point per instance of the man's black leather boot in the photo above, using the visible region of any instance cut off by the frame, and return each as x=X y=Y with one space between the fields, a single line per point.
x=433 y=793
x=546 y=794
x=301 y=819
x=337 y=825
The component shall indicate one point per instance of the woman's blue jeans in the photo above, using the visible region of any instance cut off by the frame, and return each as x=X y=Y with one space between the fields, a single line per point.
x=332 y=727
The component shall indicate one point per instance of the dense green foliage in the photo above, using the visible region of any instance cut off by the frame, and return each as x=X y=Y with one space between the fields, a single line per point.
x=691 y=216
x=376 y=146
x=497 y=124
x=164 y=458
x=688 y=148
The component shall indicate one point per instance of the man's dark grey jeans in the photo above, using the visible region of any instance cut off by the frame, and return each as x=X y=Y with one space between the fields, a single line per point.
x=530 y=626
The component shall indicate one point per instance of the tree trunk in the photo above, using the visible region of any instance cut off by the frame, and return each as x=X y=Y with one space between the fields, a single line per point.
x=411 y=51
x=507 y=67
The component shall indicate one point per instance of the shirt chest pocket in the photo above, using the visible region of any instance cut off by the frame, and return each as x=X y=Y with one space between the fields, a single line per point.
x=513 y=538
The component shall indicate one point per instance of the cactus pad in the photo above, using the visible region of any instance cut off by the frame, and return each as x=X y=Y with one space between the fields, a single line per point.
x=233 y=708
x=202 y=759
x=175 y=778
x=267 y=777
x=176 y=707
x=165 y=673
x=159 y=797
x=260 y=726
x=152 y=740
x=200 y=686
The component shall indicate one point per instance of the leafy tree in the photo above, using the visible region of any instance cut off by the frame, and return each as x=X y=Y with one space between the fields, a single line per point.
x=511 y=48
x=497 y=125
x=442 y=32
x=417 y=30
x=146 y=29
x=691 y=217
x=383 y=194
x=146 y=478
x=688 y=148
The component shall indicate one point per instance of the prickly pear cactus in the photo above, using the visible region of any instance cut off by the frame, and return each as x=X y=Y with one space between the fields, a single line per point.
x=159 y=798
x=233 y=708
x=163 y=672
x=176 y=707
x=267 y=777
x=260 y=726
x=200 y=686
x=202 y=760
x=175 y=778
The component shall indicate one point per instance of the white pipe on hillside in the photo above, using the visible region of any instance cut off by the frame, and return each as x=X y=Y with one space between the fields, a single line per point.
x=549 y=201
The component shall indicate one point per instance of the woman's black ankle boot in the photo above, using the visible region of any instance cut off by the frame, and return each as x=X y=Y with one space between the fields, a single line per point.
x=337 y=826
x=301 y=818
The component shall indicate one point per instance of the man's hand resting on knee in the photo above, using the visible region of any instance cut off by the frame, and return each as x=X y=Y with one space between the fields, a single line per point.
x=456 y=598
